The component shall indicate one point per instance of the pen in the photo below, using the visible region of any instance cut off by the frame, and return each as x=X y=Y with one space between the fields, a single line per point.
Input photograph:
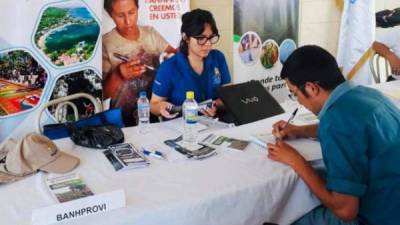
x=288 y=121
x=156 y=154
x=125 y=58
x=291 y=118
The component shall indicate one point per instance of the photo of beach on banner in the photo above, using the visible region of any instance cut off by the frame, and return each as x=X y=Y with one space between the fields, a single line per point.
x=67 y=33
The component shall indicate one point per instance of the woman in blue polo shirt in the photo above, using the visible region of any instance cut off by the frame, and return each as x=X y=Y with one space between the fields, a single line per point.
x=196 y=67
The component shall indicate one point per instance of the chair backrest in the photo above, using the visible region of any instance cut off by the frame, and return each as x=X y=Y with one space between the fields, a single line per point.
x=380 y=68
x=62 y=103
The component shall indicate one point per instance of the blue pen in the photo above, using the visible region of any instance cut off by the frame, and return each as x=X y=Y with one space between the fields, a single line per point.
x=156 y=154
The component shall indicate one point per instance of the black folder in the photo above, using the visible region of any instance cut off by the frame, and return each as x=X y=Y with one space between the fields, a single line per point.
x=247 y=102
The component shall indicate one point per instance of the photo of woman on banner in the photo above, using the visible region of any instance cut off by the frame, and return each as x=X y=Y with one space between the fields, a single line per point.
x=196 y=67
x=130 y=57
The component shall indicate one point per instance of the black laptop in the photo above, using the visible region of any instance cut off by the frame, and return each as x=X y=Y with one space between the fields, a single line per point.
x=247 y=102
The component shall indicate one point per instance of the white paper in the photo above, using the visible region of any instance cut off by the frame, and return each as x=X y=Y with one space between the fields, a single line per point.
x=308 y=148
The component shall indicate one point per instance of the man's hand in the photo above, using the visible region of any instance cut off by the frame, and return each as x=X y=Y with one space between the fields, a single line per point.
x=282 y=130
x=284 y=153
x=131 y=69
x=395 y=64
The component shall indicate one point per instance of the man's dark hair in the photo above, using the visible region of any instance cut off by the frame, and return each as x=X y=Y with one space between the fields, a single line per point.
x=311 y=63
x=193 y=25
x=108 y=5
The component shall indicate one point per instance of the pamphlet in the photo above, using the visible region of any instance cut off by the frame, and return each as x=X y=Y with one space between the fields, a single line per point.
x=125 y=156
x=68 y=187
x=310 y=149
x=225 y=142
x=196 y=151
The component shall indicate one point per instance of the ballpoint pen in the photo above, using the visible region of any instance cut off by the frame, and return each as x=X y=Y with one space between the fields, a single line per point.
x=125 y=58
x=289 y=121
x=156 y=154
x=291 y=118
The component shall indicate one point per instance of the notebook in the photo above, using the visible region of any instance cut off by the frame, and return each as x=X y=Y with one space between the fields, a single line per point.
x=248 y=102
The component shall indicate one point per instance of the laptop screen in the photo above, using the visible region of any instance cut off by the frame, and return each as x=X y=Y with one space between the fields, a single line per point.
x=248 y=102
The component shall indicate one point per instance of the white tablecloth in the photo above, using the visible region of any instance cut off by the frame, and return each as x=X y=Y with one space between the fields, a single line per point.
x=231 y=188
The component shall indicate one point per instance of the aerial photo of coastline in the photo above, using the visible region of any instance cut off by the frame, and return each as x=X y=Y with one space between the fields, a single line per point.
x=67 y=33
x=22 y=80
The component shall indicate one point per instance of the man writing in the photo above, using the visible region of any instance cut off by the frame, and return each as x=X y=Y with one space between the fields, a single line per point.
x=358 y=131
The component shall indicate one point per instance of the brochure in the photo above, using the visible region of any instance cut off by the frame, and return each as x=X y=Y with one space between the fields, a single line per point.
x=310 y=149
x=225 y=142
x=68 y=187
x=197 y=151
x=125 y=156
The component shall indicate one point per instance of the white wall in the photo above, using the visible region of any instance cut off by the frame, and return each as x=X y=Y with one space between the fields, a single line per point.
x=319 y=23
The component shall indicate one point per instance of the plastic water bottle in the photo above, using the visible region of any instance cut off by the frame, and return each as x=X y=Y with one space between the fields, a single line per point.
x=190 y=116
x=143 y=106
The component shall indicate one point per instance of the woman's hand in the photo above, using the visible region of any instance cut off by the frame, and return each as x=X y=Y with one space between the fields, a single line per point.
x=165 y=108
x=210 y=111
x=131 y=69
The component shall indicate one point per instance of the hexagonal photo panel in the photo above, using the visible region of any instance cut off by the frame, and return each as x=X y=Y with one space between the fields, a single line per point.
x=22 y=80
x=84 y=81
x=66 y=33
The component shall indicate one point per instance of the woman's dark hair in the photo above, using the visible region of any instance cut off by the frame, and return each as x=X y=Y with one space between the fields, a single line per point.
x=193 y=24
x=311 y=63
x=108 y=5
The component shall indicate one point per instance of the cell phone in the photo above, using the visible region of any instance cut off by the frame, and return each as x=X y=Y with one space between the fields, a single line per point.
x=205 y=104
x=174 y=109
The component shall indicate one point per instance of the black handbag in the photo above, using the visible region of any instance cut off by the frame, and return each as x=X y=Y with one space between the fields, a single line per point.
x=388 y=18
x=62 y=130
x=97 y=136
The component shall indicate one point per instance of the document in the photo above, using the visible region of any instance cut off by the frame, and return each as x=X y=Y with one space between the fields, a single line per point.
x=125 y=156
x=68 y=187
x=310 y=149
x=225 y=142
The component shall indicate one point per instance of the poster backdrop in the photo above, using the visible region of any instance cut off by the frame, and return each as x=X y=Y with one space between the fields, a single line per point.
x=265 y=33
x=48 y=49
x=54 y=49
x=132 y=39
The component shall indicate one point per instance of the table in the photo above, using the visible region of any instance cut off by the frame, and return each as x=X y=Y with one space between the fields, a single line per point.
x=231 y=188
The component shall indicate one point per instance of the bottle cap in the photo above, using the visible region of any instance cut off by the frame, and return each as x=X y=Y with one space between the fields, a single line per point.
x=142 y=94
x=190 y=95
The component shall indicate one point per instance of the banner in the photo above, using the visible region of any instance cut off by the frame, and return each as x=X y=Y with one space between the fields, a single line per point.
x=136 y=36
x=265 y=33
x=357 y=33
x=54 y=49
x=51 y=50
